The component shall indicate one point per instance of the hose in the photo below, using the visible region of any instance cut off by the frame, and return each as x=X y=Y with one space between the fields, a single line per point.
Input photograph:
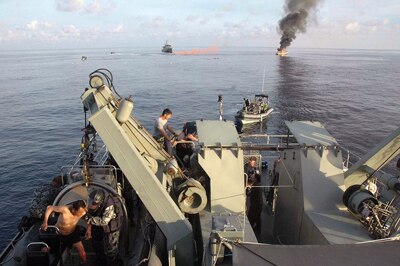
x=109 y=78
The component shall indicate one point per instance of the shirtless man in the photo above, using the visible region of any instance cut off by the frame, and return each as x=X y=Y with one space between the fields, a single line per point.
x=67 y=224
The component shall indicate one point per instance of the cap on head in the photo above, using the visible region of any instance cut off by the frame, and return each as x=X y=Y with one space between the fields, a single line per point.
x=96 y=197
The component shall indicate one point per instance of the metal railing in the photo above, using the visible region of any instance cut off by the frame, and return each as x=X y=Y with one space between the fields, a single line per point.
x=282 y=138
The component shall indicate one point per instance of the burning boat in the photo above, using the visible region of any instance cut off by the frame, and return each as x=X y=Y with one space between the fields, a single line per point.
x=281 y=52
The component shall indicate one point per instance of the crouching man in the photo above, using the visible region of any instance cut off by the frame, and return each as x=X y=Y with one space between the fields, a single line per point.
x=67 y=225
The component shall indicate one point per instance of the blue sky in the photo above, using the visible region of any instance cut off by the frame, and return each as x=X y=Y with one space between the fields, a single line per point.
x=27 y=24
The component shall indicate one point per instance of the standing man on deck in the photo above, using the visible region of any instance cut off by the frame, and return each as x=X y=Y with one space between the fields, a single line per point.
x=160 y=130
x=104 y=226
x=67 y=225
x=253 y=194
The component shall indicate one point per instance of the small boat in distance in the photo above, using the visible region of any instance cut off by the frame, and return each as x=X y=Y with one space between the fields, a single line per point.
x=254 y=111
x=167 y=48
x=281 y=52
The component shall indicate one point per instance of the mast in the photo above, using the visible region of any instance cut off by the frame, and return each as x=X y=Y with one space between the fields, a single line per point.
x=262 y=89
x=221 y=107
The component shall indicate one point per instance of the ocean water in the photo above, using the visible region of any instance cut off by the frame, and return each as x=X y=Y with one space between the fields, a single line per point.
x=354 y=93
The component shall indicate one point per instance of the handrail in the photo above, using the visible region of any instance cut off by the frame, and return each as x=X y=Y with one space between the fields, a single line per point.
x=264 y=136
x=351 y=155
x=52 y=226
x=9 y=248
x=183 y=142
x=279 y=137
x=112 y=168
x=277 y=186
x=80 y=154
x=37 y=243
x=99 y=152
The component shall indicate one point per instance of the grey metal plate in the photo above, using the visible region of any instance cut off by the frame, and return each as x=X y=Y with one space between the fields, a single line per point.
x=310 y=133
x=379 y=253
x=215 y=132
x=226 y=223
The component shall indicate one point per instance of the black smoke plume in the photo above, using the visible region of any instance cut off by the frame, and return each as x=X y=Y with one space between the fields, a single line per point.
x=295 y=20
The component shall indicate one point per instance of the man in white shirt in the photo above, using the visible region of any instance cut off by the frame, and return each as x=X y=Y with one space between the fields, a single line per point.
x=161 y=128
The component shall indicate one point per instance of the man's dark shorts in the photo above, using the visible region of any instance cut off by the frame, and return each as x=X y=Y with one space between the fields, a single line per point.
x=72 y=238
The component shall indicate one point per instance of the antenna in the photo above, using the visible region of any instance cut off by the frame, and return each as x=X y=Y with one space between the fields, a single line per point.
x=262 y=89
x=221 y=107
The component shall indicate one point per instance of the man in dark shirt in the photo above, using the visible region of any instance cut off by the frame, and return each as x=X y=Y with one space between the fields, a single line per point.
x=104 y=227
x=253 y=192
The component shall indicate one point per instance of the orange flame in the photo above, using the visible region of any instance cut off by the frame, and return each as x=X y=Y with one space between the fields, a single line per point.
x=197 y=51
x=281 y=52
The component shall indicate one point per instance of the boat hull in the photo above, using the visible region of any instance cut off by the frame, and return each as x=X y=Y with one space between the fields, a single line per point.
x=253 y=118
x=166 y=50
